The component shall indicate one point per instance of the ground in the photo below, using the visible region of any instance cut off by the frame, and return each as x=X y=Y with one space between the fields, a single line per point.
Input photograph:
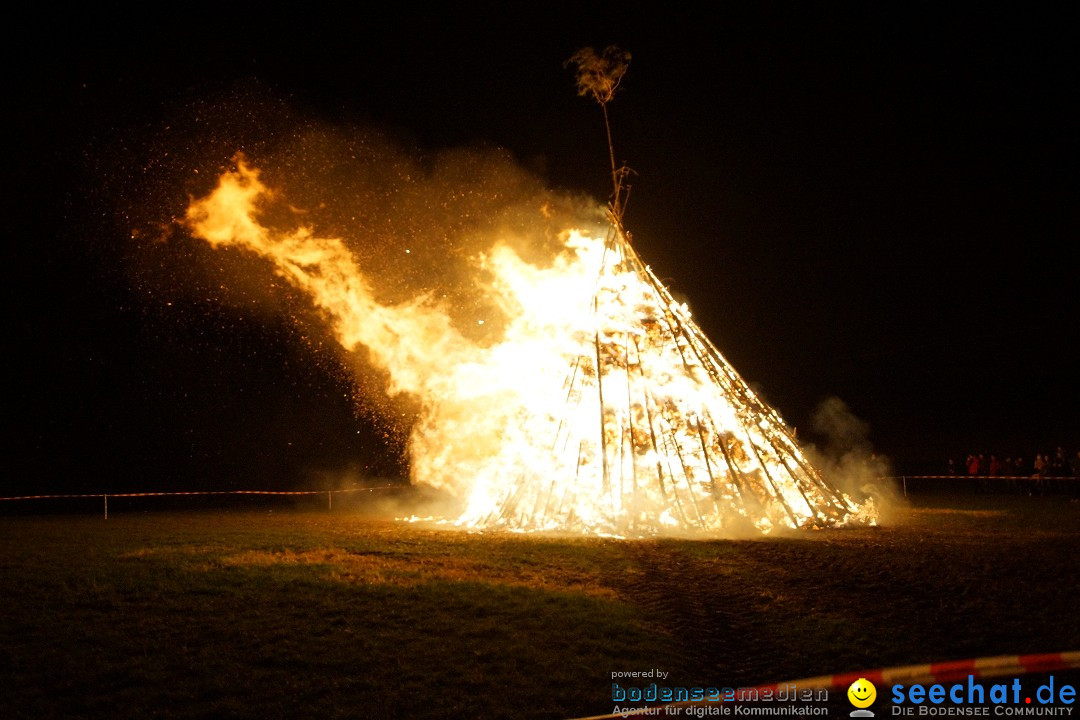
x=310 y=612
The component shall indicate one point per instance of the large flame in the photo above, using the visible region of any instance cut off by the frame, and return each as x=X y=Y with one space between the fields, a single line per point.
x=602 y=408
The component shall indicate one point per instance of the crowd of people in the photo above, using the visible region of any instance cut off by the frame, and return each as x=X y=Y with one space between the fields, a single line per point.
x=1042 y=468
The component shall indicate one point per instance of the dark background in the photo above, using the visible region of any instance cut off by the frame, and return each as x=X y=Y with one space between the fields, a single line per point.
x=872 y=203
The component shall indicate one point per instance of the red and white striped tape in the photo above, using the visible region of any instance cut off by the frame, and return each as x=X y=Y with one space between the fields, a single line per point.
x=201 y=492
x=944 y=671
x=909 y=674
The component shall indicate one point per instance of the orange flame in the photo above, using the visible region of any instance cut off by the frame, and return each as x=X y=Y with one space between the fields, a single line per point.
x=603 y=408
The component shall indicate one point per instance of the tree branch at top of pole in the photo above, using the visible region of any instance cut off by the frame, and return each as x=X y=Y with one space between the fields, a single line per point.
x=599 y=75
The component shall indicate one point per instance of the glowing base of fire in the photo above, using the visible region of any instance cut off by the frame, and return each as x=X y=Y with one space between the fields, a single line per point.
x=624 y=525
x=638 y=528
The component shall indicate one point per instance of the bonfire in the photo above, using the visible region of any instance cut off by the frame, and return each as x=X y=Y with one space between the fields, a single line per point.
x=602 y=409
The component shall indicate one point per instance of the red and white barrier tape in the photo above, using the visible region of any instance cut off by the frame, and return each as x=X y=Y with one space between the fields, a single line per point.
x=944 y=671
x=202 y=492
x=909 y=674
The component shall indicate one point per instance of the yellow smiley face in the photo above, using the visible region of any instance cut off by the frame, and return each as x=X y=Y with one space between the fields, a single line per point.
x=862 y=693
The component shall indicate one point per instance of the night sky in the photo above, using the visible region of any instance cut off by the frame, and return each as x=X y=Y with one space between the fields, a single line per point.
x=865 y=202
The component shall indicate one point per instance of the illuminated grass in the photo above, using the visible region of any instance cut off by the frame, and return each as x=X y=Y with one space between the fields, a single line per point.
x=322 y=615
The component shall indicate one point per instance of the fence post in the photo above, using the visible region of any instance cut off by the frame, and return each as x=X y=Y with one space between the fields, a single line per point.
x=106 y=496
x=903 y=479
x=329 y=499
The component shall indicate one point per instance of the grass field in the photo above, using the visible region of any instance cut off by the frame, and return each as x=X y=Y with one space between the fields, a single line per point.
x=341 y=614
